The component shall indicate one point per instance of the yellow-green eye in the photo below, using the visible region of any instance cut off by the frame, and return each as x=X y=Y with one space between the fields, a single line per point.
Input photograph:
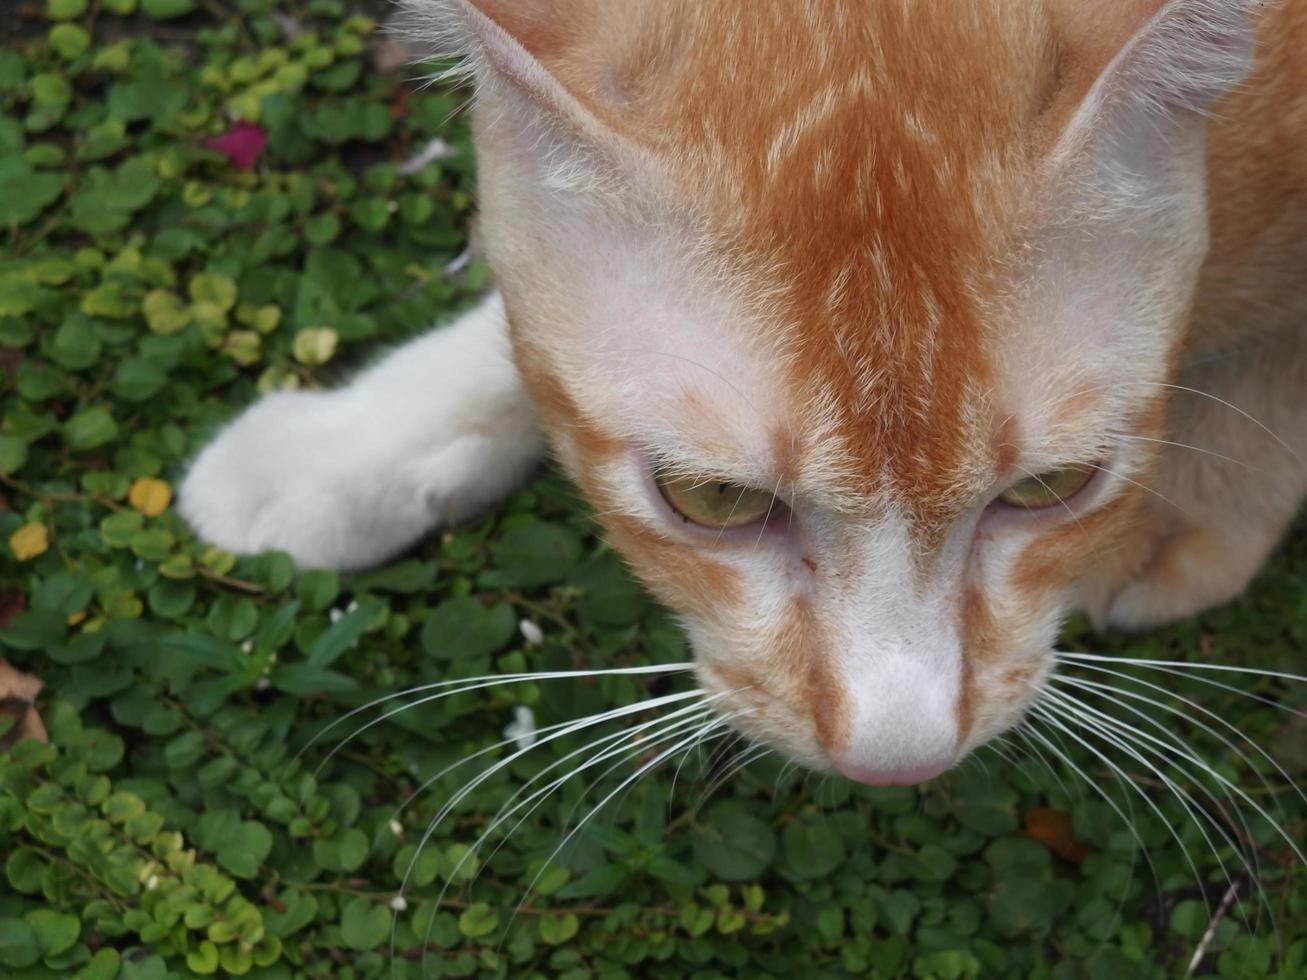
x=1048 y=489
x=713 y=503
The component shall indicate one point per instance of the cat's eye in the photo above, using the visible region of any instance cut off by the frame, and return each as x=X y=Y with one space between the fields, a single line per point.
x=715 y=504
x=1048 y=489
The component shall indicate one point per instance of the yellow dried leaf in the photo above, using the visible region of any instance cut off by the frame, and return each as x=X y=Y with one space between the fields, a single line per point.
x=30 y=541
x=150 y=496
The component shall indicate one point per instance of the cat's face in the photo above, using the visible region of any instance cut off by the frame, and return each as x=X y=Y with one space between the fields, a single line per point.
x=853 y=323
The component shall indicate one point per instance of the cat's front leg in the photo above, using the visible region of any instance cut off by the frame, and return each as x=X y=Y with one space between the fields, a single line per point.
x=437 y=431
x=1232 y=476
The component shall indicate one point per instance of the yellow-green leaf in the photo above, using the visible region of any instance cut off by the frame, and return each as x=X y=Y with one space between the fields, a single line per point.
x=315 y=345
x=164 y=312
x=215 y=288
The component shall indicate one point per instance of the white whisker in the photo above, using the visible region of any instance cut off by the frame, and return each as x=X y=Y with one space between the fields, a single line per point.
x=1125 y=738
x=1140 y=846
x=571 y=727
x=645 y=768
x=675 y=718
x=1177 y=669
x=1135 y=483
x=767 y=517
x=710 y=729
x=1237 y=410
x=1065 y=506
x=1180 y=668
x=1037 y=754
x=630 y=747
x=1106 y=690
x=1173 y=745
x=1198 y=449
x=1049 y=718
x=1103 y=688
x=1183 y=665
x=695 y=746
x=750 y=754
x=465 y=684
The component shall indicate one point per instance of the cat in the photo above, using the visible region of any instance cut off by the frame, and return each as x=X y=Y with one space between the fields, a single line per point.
x=881 y=335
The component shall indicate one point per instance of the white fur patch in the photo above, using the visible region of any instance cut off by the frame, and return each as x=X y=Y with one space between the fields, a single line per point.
x=434 y=433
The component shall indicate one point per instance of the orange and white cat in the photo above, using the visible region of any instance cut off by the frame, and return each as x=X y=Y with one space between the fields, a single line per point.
x=881 y=333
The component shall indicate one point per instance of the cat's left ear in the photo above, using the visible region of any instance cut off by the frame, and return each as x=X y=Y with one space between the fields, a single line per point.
x=1164 y=64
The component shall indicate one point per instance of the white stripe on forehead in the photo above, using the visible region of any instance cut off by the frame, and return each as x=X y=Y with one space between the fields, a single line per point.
x=659 y=351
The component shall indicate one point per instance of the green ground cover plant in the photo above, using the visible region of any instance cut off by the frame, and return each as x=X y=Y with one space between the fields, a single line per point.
x=198 y=809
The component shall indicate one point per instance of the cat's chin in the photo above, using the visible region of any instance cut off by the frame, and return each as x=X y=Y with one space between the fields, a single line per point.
x=893 y=777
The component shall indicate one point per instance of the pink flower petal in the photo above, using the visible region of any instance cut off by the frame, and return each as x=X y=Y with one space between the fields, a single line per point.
x=243 y=144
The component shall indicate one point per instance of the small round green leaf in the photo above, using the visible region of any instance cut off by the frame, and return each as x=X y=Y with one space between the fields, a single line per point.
x=364 y=924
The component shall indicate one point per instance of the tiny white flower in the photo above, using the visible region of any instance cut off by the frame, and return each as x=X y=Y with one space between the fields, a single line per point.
x=398 y=903
x=247 y=646
x=152 y=883
x=336 y=615
x=262 y=684
x=532 y=633
x=396 y=828
x=522 y=729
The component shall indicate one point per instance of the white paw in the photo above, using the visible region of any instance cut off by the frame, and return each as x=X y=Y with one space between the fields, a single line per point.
x=301 y=473
x=345 y=479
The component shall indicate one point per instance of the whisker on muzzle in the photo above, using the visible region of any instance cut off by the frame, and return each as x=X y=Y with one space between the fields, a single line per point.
x=1163 y=751
x=697 y=718
x=465 y=685
x=1136 y=745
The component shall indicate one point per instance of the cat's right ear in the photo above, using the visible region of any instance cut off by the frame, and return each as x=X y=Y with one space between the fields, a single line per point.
x=539 y=62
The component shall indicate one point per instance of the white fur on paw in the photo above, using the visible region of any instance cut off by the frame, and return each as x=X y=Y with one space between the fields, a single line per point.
x=307 y=474
x=433 y=434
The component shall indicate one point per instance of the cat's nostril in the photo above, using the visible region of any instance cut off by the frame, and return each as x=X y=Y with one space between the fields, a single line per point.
x=892 y=777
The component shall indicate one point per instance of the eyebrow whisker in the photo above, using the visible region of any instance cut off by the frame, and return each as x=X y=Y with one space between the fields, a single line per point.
x=762 y=529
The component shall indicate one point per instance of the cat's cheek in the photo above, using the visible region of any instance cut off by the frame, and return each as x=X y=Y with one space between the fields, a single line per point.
x=691 y=582
x=1048 y=568
x=1021 y=584
x=776 y=682
x=1008 y=657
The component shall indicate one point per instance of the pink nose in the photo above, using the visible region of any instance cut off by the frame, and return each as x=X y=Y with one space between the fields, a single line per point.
x=892 y=777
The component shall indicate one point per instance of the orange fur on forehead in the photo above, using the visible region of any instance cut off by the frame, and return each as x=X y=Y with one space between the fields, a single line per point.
x=864 y=166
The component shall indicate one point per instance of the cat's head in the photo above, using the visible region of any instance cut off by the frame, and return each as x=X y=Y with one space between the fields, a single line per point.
x=853 y=321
